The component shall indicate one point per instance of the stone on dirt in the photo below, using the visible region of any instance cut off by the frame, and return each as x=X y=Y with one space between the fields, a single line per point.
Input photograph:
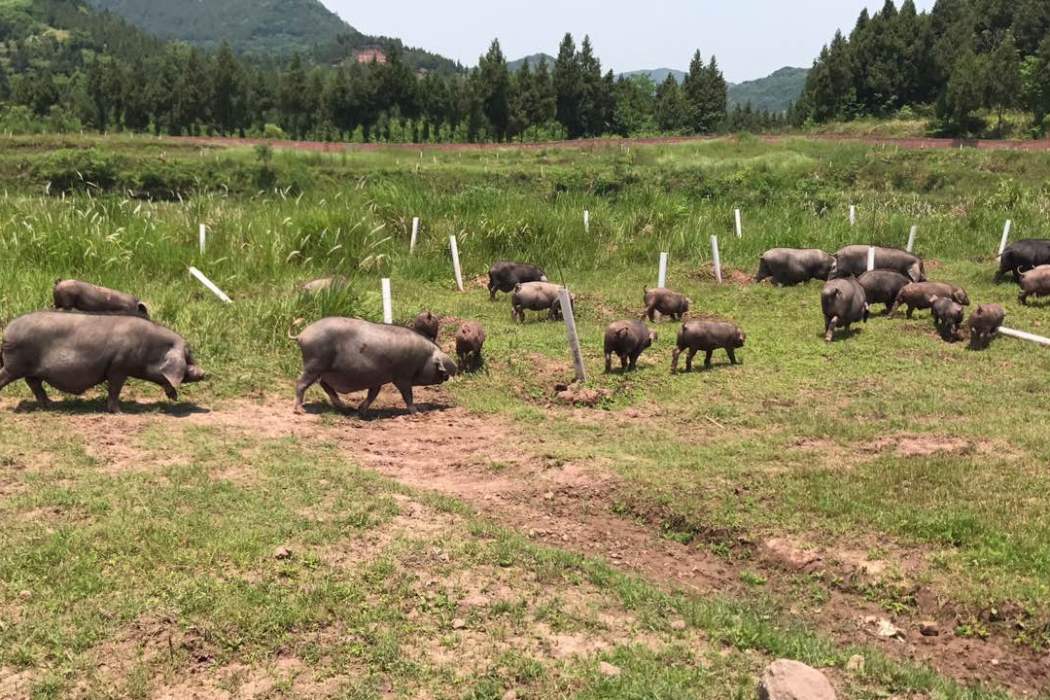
x=608 y=670
x=785 y=679
x=929 y=628
x=282 y=553
x=855 y=664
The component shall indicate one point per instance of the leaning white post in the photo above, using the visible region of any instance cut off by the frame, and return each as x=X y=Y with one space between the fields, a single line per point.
x=1006 y=236
x=388 y=304
x=570 y=331
x=586 y=221
x=210 y=285
x=203 y=237
x=455 y=262
x=717 y=258
x=871 y=258
x=911 y=238
x=852 y=215
x=415 y=234
x=1025 y=336
x=662 y=276
x=739 y=225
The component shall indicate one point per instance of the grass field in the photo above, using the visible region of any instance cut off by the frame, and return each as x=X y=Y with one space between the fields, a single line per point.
x=667 y=541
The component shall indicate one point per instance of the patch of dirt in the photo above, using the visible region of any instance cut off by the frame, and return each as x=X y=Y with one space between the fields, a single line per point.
x=15 y=684
x=283 y=677
x=485 y=462
x=415 y=521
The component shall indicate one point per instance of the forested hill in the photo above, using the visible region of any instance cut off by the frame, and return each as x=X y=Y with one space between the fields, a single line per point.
x=267 y=28
x=969 y=60
x=776 y=92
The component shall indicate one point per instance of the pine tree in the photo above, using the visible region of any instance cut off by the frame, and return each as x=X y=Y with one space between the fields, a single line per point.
x=290 y=97
x=1002 y=78
x=694 y=90
x=494 y=90
x=227 y=91
x=672 y=110
x=568 y=88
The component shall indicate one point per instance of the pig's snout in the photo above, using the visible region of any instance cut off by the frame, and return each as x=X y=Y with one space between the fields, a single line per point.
x=194 y=374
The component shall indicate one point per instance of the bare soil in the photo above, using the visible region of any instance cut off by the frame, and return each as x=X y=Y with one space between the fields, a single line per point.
x=495 y=468
x=594 y=144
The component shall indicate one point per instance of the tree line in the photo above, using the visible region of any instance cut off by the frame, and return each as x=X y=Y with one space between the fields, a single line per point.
x=108 y=76
x=962 y=61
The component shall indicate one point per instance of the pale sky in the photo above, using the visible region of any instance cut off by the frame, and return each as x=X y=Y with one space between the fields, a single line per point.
x=751 y=38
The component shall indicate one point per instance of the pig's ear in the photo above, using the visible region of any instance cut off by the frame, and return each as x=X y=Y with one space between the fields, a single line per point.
x=173 y=368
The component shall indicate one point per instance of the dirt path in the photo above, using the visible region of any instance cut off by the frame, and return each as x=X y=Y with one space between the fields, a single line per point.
x=591 y=144
x=496 y=468
x=491 y=465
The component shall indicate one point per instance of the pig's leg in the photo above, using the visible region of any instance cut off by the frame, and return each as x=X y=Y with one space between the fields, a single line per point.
x=5 y=377
x=116 y=383
x=633 y=361
x=37 y=387
x=829 y=335
x=1023 y=298
x=674 y=360
x=372 y=394
x=689 y=360
x=333 y=396
x=608 y=362
x=306 y=380
x=911 y=310
x=732 y=356
x=707 y=358
x=406 y=394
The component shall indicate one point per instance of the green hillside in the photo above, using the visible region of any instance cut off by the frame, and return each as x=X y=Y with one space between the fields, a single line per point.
x=774 y=93
x=262 y=27
x=533 y=61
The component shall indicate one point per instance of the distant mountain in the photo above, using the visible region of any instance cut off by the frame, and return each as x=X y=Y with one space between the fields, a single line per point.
x=263 y=27
x=774 y=93
x=657 y=75
x=533 y=61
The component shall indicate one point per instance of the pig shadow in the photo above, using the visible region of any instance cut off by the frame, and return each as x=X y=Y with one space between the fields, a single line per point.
x=83 y=407
x=843 y=334
x=374 y=413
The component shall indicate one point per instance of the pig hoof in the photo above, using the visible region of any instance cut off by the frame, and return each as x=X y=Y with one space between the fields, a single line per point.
x=298 y=410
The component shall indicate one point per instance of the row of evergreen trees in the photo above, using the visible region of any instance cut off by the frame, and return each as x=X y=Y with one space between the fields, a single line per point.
x=961 y=58
x=82 y=81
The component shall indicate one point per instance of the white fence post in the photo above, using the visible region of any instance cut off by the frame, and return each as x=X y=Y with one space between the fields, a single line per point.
x=415 y=234
x=911 y=238
x=1025 y=336
x=203 y=237
x=739 y=224
x=852 y=215
x=570 y=331
x=1006 y=237
x=388 y=303
x=717 y=258
x=871 y=258
x=210 y=285
x=586 y=221
x=662 y=276
x=455 y=262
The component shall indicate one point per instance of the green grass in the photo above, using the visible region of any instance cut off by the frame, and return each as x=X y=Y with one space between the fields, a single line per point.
x=800 y=440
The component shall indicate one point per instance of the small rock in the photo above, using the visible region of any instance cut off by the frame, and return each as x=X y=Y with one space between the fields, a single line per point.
x=678 y=625
x=855 y=664
x=282 y=553
x=549 y=496
x=608 y=670
x=558 y=388
x=785 y=679
x=510 y=695
x=25 y=595
x=929 y=629
x=888 y=630
x=459 y=623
